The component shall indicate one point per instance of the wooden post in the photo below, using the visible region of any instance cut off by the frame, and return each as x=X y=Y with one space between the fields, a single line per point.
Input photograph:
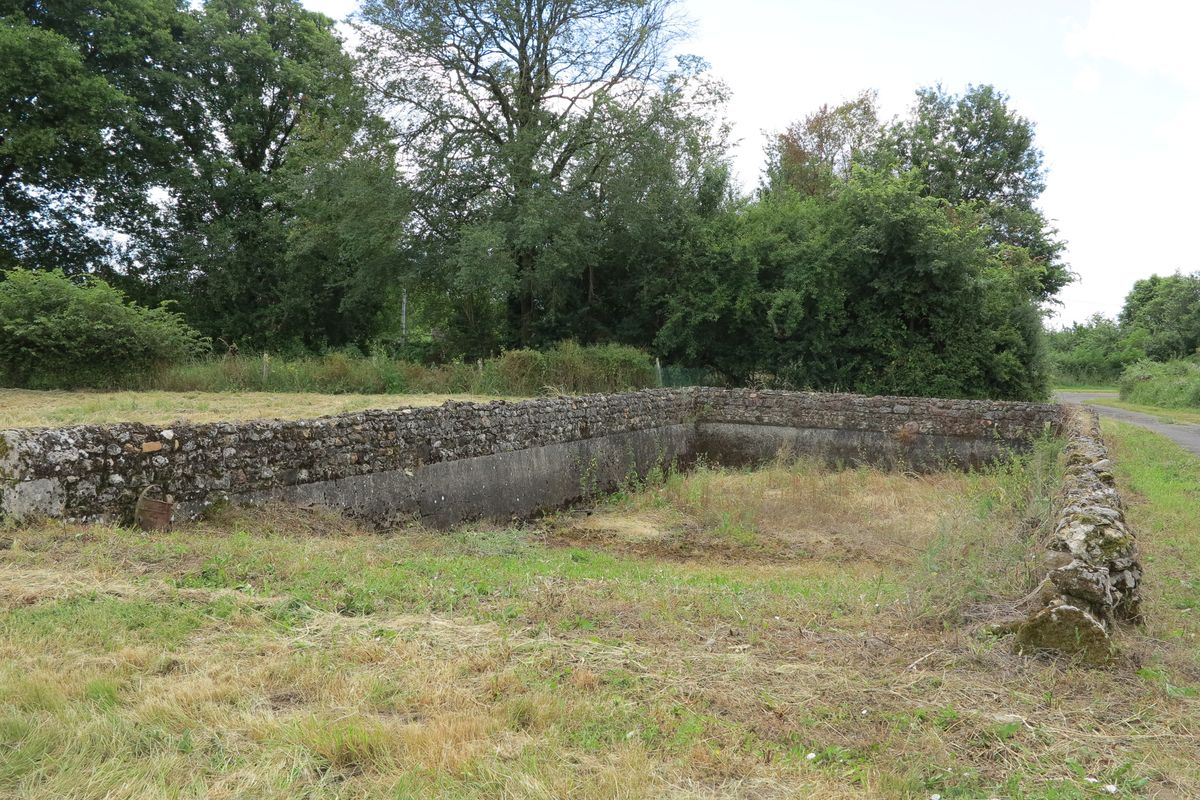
x=404 y=316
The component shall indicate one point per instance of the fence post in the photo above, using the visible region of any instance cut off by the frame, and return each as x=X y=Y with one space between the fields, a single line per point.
x=658 y=370
x=266 y=369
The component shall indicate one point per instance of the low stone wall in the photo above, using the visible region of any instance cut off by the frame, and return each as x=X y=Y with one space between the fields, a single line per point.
x=465 y=460
x=1094 y=572
x=383 y=465
x=736 y=426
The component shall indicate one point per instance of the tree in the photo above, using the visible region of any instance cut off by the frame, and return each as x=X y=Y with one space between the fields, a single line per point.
x=973 y=149
x=1166 y=312
x=509 y=114
x=87 y=128
x=812 y=154
x=345 y=229
x=877 y=289
x=54 y=155
x=1093 y=352
x=262 y=77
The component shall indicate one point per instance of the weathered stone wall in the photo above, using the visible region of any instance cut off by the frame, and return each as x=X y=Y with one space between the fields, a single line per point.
x=463 y=460
x=738 y=426
x=1094 y=571
x=95 y=471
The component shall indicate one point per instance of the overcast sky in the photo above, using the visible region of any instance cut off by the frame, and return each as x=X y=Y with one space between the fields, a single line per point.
x=1113 y=86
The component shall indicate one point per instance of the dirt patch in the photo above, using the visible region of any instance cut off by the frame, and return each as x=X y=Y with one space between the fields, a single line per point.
x=779 y=515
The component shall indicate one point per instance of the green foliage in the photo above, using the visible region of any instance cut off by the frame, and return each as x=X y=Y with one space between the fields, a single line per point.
x=457 y=194
x=879 y=289
x=1094 y=352
x=567 y=367
x=255 y=248
x=54 y=154
x=1173 y=384
x=972 y=149
x=56 y=332
x=542 y=159
x=1159 y=321
x=1163 y=315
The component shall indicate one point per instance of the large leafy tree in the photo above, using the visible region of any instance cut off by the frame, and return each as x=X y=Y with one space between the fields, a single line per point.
x=199 y=138
x=814 y=153
x=263 y=76
x=1163 y=312
x=973 y=149
x=89 y=87
x=513 y=116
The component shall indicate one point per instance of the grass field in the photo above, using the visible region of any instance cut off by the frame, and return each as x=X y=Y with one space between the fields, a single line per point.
x=773 y=634
x=20 y=408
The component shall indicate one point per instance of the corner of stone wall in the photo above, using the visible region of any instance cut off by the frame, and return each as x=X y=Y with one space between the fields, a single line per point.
x=8 y=465
x=1094 y=572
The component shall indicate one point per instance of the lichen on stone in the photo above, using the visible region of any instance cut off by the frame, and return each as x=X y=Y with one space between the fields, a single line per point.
x=1099 y=586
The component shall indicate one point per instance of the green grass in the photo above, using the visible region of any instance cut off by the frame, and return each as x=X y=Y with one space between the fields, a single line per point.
x=1173 y=415
x=828 y=639
x=1163 y=483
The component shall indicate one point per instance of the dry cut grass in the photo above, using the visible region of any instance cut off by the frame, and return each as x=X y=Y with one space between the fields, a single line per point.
x=774 y=634
x=23 y=408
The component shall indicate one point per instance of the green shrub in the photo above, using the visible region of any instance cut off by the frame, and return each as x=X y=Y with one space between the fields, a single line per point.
x=600 y=368
x=58 y=332
x=1173 y=384
x=516 y=372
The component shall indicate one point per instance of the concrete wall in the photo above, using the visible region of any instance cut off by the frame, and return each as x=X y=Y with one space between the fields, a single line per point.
x=463 y=460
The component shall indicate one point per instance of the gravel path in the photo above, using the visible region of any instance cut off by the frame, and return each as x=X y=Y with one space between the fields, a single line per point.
x=1184 y=434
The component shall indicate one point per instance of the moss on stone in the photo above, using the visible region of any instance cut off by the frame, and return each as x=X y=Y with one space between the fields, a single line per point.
x=1066 y=629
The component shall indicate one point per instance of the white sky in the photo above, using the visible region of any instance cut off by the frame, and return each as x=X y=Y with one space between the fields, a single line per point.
x=1114 y=88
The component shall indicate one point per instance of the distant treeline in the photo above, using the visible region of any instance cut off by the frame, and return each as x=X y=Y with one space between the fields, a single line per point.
x=1159 y=322
x=449 y=192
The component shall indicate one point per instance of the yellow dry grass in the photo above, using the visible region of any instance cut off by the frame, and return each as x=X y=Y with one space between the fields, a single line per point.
x=23 y=408
x=786 y=511
x=820 y=642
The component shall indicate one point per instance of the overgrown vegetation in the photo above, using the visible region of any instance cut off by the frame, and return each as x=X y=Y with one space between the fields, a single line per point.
x=447 y=192
x=565 y=367
x=59 y=332
x=623 y=652
x=1159 y=322
x=1174 y=384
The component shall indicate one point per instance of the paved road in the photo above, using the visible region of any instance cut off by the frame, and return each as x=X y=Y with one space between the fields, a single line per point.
x=1184 y=434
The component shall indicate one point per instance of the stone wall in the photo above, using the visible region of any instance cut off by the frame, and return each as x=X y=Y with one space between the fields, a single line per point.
x=1094 y=572
x=736 y=426
x=463 y=460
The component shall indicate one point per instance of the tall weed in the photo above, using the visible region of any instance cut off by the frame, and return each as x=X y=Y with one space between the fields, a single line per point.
x=567 y=367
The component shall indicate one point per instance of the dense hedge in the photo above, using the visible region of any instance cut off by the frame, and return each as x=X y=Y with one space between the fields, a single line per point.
x=1172 y=384
x=59 y=332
